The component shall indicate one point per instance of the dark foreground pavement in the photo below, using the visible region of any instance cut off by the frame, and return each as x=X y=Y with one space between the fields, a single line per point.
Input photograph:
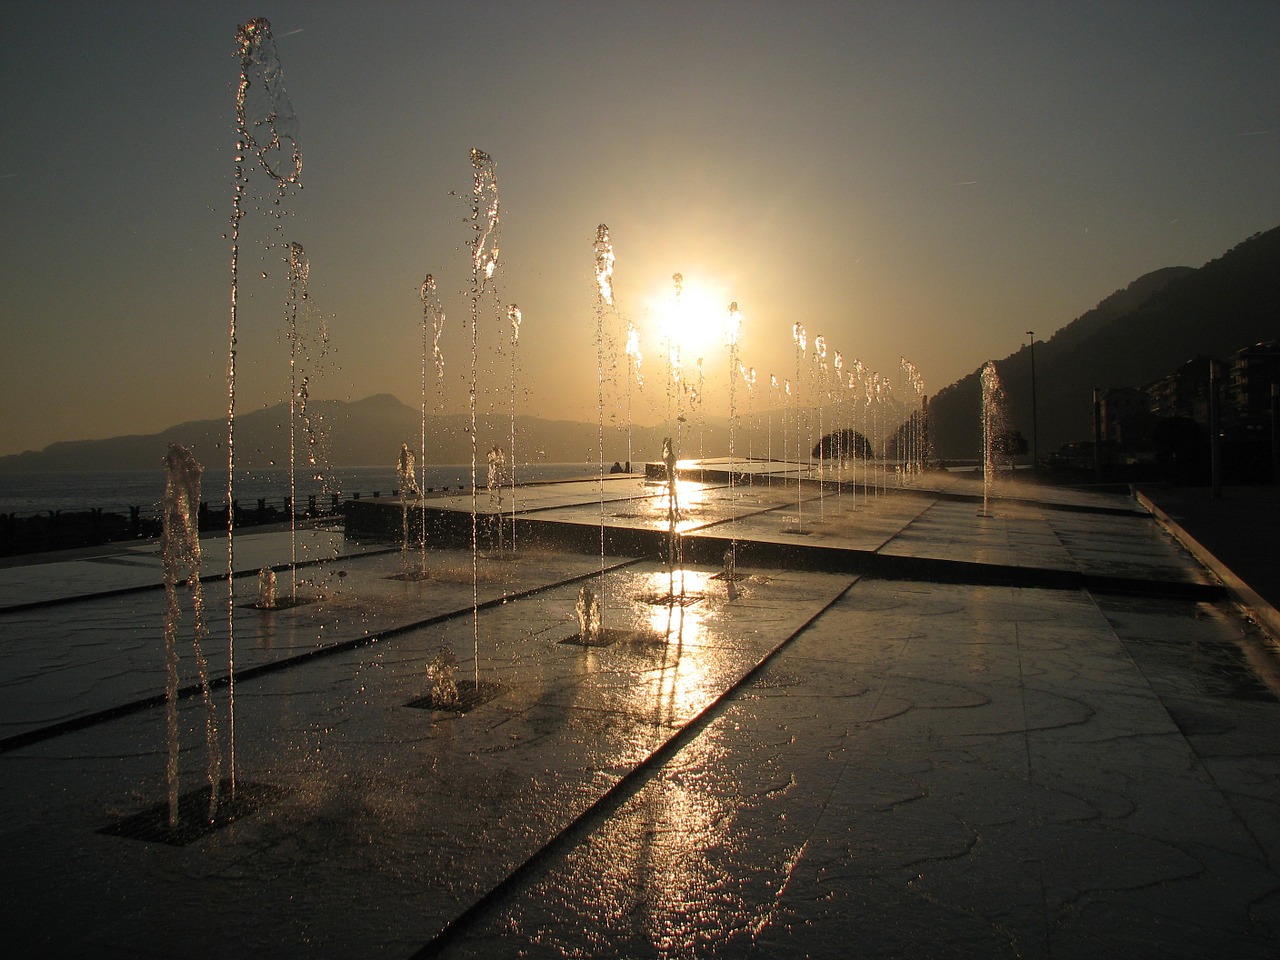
x=1044 y=732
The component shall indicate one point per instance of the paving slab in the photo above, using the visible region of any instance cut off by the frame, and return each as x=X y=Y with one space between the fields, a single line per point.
x=800 y=762
x=937 y=771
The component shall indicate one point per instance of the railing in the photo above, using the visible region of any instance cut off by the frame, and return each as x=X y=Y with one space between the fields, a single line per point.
x=68 y=529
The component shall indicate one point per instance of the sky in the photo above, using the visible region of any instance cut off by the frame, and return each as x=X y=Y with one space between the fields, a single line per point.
x=927 y=180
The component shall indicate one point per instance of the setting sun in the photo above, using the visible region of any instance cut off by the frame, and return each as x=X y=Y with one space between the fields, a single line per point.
x=691 y=319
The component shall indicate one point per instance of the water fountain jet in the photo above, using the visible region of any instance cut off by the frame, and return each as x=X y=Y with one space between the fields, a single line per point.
x=180 y=555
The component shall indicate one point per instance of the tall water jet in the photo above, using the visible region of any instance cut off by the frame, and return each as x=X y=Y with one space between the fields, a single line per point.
x=801 y=341
x=674 y=547
x=774 y=391
x=837 y=364
x=266 y=132
x=851 y=401
x=749 y=378
x=674 y=360
x=602 y=250
x=915 y=433
x=634 y=359
x=732 y=331
x=992 y=429
x=514 y=316
x=299 y=270
x=820 y=388
x=180 y=556
x=484 y=263
x=433 y=318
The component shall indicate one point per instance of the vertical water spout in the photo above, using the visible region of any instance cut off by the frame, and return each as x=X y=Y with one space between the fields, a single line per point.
x=266 y=132
x=801 y=341
x=590 y=623
x=992 y=428
x=180 y=557
x=602 y=250
x=433 y=318
x=514 y=316
x=484 y=262
x=674 y=545
x=732 y=331
x=407 y=475
x=633 y=370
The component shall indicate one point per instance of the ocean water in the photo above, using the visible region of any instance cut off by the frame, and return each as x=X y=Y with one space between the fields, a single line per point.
x=115 y=491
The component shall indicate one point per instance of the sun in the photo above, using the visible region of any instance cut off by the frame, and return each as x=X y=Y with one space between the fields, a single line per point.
x=692 y=319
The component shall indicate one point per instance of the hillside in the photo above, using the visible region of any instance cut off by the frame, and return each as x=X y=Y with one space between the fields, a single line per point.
x=1131 y=338
x=363 y=432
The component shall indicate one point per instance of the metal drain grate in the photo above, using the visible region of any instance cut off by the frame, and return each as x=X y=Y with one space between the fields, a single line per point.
x=672 y=599
x=152 y=824
x=470 y=695
x=608 y=637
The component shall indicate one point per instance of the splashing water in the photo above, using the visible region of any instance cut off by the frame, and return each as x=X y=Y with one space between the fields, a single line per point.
x=484 y=194
x=604 y=263
x=442 y=674
x=730 y=573
x=497 y=466
x=674 y=546
x=433 y=318
x=590 y=623
x=407 y=474
x=266 y=589
x=265 y=117
x=180 y=555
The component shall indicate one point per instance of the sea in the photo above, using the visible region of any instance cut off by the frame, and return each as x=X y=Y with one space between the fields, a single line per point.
x=116 y=491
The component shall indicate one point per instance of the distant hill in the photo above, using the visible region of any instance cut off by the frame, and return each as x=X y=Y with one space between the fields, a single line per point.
x=1131 y=338
x=360 y=433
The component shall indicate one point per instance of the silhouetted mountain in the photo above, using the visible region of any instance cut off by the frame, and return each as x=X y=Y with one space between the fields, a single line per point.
x=1131 y=338
x=363 y=432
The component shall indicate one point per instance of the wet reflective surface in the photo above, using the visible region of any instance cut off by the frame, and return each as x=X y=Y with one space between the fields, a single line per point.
x=821 y=765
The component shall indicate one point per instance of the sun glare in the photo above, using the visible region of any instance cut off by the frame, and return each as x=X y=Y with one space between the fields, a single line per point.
x=691 y=319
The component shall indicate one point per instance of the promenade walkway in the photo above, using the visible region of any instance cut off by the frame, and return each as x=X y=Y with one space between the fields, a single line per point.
x=907 y=729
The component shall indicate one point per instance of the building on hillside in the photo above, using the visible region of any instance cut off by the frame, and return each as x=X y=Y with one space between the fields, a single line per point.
x=1248 y=378
x=1182 y=394
x=1126 y=419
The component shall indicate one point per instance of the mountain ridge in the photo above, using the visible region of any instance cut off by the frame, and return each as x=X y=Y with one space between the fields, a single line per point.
x=1131 y=338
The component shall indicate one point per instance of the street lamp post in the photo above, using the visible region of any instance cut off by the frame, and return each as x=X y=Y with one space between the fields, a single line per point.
x=1035 y=426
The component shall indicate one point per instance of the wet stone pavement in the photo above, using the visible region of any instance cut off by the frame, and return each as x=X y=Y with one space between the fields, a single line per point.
x=824 y=764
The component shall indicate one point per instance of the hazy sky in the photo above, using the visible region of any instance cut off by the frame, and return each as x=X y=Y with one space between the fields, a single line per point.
x=928 y=180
